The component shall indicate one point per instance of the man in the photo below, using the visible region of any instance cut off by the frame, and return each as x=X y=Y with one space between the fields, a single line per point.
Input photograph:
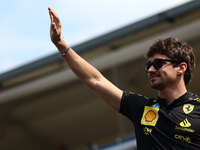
x=170 y=122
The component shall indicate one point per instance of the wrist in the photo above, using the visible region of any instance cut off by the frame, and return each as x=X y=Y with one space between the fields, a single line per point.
x=64 y=53
x=61 y=45
x=57 y=40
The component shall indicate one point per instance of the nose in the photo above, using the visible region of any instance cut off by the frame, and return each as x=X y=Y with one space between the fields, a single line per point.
x=151 y=69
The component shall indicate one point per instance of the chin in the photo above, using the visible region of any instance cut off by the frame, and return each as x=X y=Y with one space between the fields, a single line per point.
x=157 y=85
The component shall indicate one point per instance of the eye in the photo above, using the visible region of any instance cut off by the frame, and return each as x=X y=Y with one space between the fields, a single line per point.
x=158 y=63
x=164 y=62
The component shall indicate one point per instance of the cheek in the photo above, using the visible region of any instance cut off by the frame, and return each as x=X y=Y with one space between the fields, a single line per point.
x=168 y=73
x=171 y=74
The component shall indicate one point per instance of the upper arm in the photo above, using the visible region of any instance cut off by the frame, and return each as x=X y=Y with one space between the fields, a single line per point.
x=94 y=79
x=108 y=92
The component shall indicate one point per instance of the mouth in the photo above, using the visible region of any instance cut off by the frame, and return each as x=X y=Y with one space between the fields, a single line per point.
x=153 y=76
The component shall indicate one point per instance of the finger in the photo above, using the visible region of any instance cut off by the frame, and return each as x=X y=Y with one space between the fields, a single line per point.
x=54 y=16
x=51 y=16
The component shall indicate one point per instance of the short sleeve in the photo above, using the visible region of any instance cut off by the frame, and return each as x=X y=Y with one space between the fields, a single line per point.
x=132 y=105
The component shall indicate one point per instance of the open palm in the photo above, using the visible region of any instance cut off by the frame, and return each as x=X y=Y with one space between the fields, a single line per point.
x=55 y=27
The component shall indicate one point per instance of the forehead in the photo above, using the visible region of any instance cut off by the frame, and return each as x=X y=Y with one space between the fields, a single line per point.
x=158 y=56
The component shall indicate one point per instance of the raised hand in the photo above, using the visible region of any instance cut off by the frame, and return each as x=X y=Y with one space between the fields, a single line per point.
x=55 y=27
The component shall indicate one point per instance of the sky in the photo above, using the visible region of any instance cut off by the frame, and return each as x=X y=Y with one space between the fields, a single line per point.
x=24 y=24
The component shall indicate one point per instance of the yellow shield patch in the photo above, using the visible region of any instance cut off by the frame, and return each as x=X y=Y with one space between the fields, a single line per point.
x=188 y=108
x=150 y=116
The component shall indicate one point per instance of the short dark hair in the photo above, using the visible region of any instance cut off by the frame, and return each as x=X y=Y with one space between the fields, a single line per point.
x=176 y=50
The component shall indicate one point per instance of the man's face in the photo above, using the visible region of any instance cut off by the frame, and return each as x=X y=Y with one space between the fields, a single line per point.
x=164 y=76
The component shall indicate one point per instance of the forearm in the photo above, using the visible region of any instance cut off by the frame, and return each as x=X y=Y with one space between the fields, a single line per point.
x=83 y=70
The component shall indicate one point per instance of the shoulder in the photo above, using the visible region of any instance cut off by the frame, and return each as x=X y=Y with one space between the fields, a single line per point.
x=133 y=104
x=130 y=97
x=194 y=97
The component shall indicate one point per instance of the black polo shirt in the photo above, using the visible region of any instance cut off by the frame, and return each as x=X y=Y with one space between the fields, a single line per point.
x=160 y=126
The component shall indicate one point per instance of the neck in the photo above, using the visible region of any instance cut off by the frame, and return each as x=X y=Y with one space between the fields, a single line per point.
x=172 y=93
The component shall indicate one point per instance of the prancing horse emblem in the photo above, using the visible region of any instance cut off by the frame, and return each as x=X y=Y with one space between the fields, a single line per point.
x=188 y=108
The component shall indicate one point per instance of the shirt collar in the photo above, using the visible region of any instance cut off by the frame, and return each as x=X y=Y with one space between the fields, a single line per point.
x=181 y=99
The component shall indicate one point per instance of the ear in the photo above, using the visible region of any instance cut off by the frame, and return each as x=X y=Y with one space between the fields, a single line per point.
x=182 y=68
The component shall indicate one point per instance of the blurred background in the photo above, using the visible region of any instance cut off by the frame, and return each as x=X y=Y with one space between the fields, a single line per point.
x=43 y=105
x=24 y=32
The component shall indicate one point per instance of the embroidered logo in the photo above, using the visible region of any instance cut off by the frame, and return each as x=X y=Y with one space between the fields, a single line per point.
x=194 y=99
x=183 y=138
x=147 y=131
x=185 y=123
x=150 y=116
x=188 y=108
x=156 y=105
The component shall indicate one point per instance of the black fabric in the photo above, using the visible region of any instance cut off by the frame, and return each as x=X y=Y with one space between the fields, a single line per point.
x=159 y=126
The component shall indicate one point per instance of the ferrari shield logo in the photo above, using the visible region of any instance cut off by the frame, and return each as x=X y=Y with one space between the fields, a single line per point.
x=188 y=108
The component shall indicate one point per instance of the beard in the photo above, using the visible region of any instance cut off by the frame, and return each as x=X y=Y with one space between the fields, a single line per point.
x=158 y=85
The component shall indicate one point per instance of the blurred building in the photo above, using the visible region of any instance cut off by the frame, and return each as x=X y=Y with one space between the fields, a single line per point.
x=43 y=105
